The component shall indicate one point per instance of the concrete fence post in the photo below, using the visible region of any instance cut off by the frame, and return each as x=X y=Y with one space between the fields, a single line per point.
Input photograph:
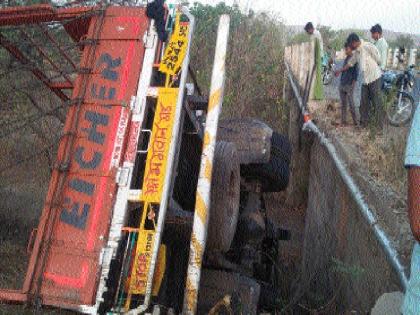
x=389 y=59
x=291 y=57
x=395 y=59
x=412 y=57
x=306 y=59
x=311 y=67
x=294 y=59
x=301 y=65
x=287 y=54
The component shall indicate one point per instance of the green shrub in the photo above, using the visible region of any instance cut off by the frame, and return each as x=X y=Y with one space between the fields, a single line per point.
x=254 y=61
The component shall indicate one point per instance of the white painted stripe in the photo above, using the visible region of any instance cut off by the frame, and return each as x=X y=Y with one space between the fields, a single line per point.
x=203 y=187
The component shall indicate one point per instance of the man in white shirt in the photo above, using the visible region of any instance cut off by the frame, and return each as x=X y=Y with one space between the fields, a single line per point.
x=380 y=44
x=368 y=58
x=315 y=35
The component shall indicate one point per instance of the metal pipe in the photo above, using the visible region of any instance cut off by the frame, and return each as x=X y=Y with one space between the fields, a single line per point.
x=57 y=45
x=202 y=204
x=45 y=55
x=37 y=72
x=169 y=171
x=354 y=190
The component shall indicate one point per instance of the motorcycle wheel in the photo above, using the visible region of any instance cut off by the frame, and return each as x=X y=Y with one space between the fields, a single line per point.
x=401 y=110
x=327 y=77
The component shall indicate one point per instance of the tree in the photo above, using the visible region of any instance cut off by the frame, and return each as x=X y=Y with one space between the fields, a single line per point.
x=328 y=35
x=254 y=62
x=402 y=40
x=299 y=38
x=337 y=43
x=331 y=38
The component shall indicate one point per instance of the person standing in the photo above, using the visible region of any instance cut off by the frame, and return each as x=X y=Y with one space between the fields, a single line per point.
x=380 y=44
x=367 y=56
x=347 y=83
x=411 y=304
x=156 y=10
x=315 y=35
x=316 y=39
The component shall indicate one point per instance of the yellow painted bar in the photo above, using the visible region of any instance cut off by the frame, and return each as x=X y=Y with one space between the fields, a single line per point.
x=154 y=175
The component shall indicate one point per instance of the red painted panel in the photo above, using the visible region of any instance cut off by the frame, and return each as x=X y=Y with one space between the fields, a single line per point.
x=127 y=56
x=39 y=13
x=75 y=223
x=124 y=27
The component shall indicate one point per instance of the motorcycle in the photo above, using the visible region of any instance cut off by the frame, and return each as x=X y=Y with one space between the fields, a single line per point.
x=400 y=103
x=327 y=69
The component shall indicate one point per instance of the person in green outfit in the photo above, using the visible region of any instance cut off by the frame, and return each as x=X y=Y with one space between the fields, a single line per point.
x=316 y=37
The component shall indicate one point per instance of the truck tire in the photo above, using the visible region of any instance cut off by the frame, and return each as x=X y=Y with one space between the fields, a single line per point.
x=224 y=198
x=252 y=138
x=274 y=175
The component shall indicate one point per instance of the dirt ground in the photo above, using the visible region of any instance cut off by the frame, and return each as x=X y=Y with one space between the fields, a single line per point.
x=290 y=251
x=380 y=152
x=22 y=193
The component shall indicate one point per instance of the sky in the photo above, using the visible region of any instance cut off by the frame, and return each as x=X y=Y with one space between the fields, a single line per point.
x=395 y=15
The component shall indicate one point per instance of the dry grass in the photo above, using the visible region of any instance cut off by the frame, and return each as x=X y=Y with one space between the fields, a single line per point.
x=382 y=154
x=13 y=264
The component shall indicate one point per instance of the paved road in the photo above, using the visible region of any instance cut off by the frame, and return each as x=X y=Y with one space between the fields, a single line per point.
x=331 y=90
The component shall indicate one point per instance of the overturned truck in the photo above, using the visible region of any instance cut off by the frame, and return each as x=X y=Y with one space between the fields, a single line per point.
x=147 y=209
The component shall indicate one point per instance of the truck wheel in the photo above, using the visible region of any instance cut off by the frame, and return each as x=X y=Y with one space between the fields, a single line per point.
x=224 y=198
x=274 y=175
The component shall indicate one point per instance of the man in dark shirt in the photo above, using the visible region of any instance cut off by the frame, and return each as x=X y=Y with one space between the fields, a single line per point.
x=156 y=10
x=347 y=82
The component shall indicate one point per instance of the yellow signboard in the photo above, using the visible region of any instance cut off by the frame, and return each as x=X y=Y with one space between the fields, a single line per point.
x=157 y=157
x=154 y=177
x=176 y=49
x=142 y=265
